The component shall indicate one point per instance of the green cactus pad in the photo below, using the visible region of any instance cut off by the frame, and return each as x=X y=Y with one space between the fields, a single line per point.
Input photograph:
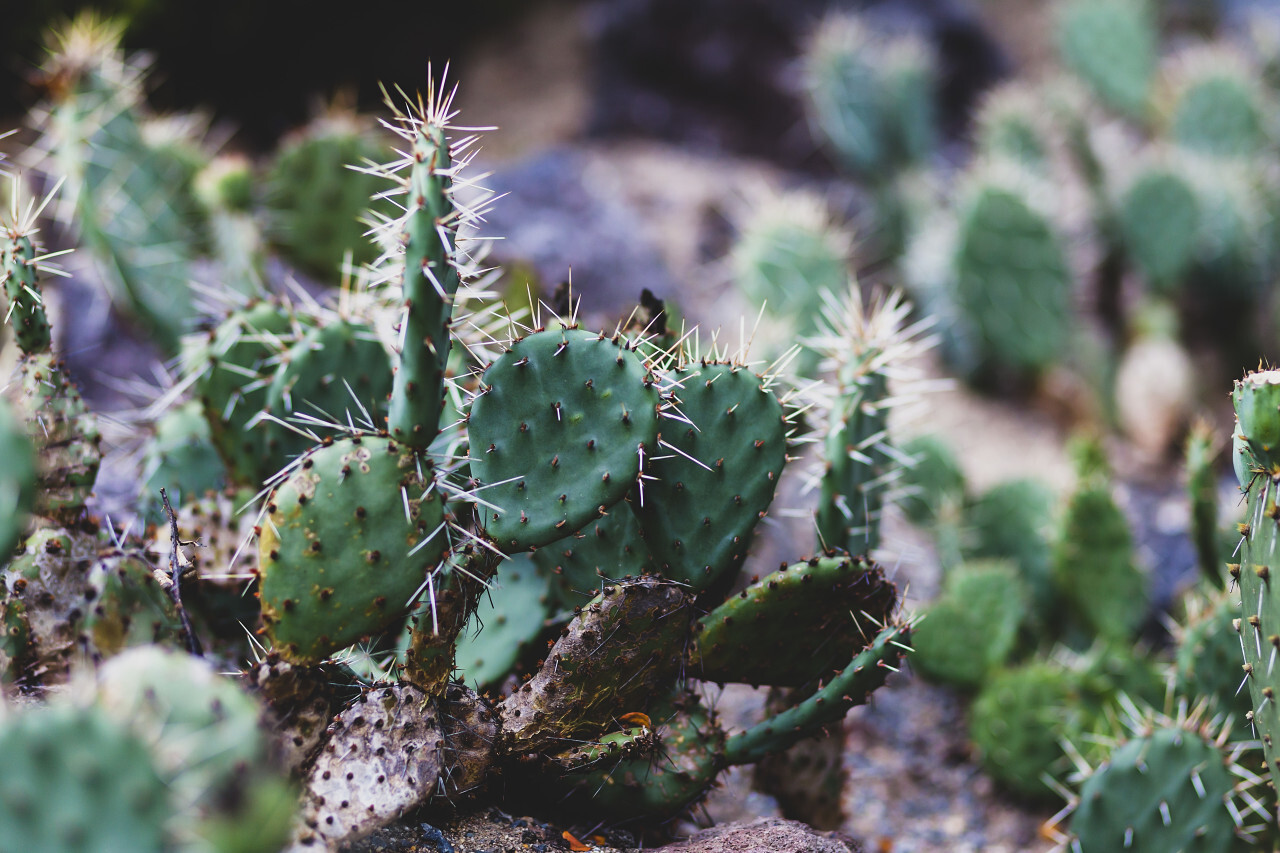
x=558 y=434
x=231 y=382
x=1112 y=45
x=752 y=637
x=1208 y=658
x=1220 y=114
x=1160 y=221
x=639 y=628
x=315 y=374
x=17 y=480
x=1018 y=721
x=715 y=473
x=1257 y=400
x=65 y=435
x=632 y=743
x=76 y=780
x=129 y=607
x=1093 y=564
x=505 y=624
x=858 y=464
x=316 y=202
x=971 y=629
x=1012 y=285
x=608 y=548
x=205 y=730
x=851 y=687
x=431 y=277
x=1170 y=789
x=348 y=540
x=181 y=459
x=24 y=303
x=1013 y=520
x=1202 y=455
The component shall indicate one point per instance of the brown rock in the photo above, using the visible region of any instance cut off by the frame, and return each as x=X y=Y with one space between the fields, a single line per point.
x=767 y=835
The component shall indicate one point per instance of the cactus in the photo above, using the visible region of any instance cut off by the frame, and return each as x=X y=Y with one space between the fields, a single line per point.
x=1160 y=219
x=1256 y=437
x=871 y=96
x=733 y=441
x=1202 y=450
x=970 y=630
x=1093 y=561
x=1219 y=109
x=1171 y=785
x=17 y=479
x=1012 y=124
x=316 y=198
x=1112 y=45
x=180 y=458
x=131 y=201
x=506 y=624
x=1013 y=521
x=1207 y=658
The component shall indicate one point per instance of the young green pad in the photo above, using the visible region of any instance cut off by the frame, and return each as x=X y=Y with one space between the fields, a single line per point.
x=558 y=434
x=715 y=474
x=348 y=540
x=17 y=479
x=752 y=637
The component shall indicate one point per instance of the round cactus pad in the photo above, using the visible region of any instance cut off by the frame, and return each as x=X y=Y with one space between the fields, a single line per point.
x=348 y=540
x=1257 y=400
x=557 y=435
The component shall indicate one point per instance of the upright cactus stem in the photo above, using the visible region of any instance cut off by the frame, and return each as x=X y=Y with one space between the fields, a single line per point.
x=1257 y=442
x=431 y=281
x=25 y=309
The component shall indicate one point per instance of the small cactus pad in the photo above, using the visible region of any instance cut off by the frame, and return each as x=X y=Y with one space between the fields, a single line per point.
x=180 y=459
x=17 y=479
x=971 y=629
x=716 y=472
x=347 y=542
x=65 y=435
x=316 y=373
x=505 y=624
x=752 y=637
x=129 y=608
x=639 y=628
x=558 y=434
x=1170 y=789
x=605 y=549
x=25 y=305
x=1160 y=221
x=1220 y=113
x=51 y=579
x=1018 y=721
x=15 y=639
x=1112 y=45
x=76 y=780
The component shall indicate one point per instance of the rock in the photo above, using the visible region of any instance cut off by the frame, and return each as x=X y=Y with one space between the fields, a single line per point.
x=767 y=835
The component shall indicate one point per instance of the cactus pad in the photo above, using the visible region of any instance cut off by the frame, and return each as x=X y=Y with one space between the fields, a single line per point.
x=17 y=479
x=716 y=473
x=65 y=435
x=558 y=434
x=1112 y=45
x=639 y=627
x=752 y=637
x=347 y=542
x=605 y=549
x=25 y=309
x=505 y=624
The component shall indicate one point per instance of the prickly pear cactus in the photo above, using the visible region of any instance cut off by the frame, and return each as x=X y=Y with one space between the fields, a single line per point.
x=76 y=779
x=347 y=543
x=1257 y=449
x=1219 y=110
x=1173 y=785
x=1160 y=221
x=17 y=479
x=559 y=434
x=1112 y=45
